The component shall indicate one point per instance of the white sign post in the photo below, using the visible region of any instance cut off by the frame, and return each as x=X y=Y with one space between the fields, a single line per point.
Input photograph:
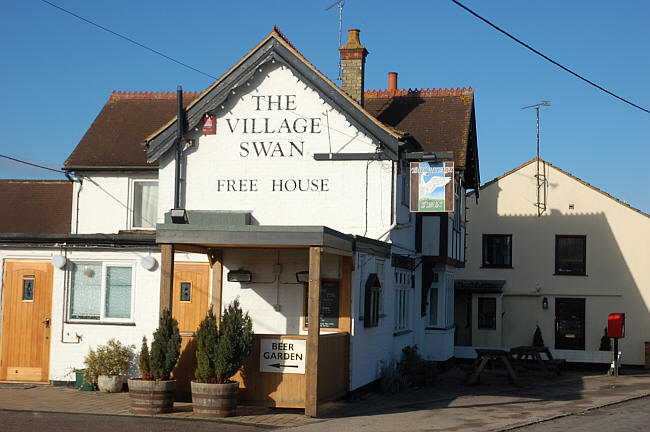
x=282 y=355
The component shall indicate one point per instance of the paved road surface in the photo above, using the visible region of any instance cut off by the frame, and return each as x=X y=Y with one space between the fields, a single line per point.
x=633 y=415
x=39 y=421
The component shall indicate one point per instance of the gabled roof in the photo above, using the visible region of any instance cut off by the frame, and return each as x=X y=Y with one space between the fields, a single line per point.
x=114 y=140
x=438 y=120
x=275 y=47
x=35 y=206
x=579 y=180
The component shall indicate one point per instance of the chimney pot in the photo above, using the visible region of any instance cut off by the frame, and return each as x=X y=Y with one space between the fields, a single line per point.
x=392 y=82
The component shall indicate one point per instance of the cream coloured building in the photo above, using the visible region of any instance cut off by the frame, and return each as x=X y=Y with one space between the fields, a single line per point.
x=585 y=255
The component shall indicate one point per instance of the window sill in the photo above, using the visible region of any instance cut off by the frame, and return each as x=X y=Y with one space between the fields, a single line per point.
x=570 y=274
x=86 y=322
x=438 y=328
x=402 y=332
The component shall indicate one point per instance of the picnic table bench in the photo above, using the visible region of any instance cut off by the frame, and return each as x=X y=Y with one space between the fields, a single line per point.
x=493 y=356
x=531 y=356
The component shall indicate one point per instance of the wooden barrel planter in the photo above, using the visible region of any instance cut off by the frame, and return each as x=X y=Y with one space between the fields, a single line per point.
x=151 y=397
x=214 y=400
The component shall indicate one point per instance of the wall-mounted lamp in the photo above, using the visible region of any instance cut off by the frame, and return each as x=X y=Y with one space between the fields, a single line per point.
x=59 y=261
x=545 y=303
x=302 y=276
x=179 y=216
x=239 y=276
x=148 y=263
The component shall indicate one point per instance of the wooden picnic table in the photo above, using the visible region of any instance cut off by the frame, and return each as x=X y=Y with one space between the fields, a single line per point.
x=532 y=355
x=494 y=356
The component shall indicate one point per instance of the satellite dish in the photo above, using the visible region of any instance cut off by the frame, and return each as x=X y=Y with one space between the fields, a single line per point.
x=59 y=261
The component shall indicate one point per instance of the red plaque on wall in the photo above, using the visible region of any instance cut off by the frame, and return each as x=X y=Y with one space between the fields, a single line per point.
x=210 y=125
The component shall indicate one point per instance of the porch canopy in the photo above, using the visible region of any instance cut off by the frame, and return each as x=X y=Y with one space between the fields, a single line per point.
x=211 y=232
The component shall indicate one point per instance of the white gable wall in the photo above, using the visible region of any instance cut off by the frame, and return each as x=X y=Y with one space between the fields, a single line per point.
x=220 y=170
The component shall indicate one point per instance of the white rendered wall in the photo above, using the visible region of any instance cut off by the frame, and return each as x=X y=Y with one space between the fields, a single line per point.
x=618 y=247
x=105 y=203
x=66 y=350
x=349 y=196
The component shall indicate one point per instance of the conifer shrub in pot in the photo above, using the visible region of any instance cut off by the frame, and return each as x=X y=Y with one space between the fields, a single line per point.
x=106 y=364
x=154 y=392
x=220 y=353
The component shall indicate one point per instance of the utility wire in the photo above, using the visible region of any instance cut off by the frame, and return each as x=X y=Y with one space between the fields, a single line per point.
x=547 y=58
x=32 y=164
x=129 y=40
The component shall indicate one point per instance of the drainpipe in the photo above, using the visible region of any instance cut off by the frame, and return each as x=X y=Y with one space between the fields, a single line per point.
x=179 y=138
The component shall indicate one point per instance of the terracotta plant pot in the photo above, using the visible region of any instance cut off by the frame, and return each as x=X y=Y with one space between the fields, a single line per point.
x=110 y=383
x=151 y=397
x=214 y=400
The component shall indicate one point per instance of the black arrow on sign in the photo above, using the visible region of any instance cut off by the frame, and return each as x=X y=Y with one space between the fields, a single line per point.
x=278 y=365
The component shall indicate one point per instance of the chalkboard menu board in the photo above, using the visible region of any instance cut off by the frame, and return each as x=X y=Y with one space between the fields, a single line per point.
x=330 y=296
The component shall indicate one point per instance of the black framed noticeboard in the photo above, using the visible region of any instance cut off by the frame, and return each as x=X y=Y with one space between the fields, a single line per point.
x=330 y=303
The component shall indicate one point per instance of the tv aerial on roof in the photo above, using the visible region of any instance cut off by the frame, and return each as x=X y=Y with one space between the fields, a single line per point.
x=340 y=4
x=541 y=178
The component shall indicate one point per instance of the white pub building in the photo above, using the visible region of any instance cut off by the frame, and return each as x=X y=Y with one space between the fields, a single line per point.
x=273 y=186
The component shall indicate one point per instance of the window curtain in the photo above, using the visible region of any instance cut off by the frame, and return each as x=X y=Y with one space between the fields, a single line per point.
x=85 y=295
x=118 y=292
x=145 y=204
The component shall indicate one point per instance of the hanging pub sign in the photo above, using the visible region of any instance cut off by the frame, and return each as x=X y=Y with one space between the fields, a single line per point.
x=210 y=125
x=432 y=187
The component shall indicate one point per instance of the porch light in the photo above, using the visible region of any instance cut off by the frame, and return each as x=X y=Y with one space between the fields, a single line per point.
x=545 y=303
x=179 y=216
x=148 y=263
x=59 y=261
x=302 y=276
x=239 y=276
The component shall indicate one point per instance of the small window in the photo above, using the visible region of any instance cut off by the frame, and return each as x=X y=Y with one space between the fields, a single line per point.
x=570 y=255
x=433 y=306
x=372 y=301
x=145 y=204
x=28 y=288
x=487 y=313
x=497 y=250
x=186 y=291
x=402 y=300
x=101 y=292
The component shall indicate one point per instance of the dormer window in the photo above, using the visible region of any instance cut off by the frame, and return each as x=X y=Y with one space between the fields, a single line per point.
x=144 y=204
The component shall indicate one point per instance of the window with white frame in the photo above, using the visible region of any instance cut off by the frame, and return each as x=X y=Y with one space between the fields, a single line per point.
x=145 y=203
x=449 y=300
x=403 y=287
x=101 y=292
x=433 y=300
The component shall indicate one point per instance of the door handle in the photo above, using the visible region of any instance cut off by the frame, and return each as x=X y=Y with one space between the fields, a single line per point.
x=47 y=323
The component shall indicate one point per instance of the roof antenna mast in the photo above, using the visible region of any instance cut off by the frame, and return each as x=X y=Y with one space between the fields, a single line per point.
x=541 y=178
x=340 y=4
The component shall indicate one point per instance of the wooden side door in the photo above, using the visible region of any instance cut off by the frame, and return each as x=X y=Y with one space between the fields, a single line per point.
x=190 y=302
x=26 y=321
x=570 y=323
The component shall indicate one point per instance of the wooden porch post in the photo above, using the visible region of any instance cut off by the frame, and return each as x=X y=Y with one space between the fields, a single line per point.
x=166 y=276
x=313 y=333
x=216 y=261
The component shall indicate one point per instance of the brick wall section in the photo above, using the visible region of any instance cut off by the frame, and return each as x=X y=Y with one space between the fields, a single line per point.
x=352 y=80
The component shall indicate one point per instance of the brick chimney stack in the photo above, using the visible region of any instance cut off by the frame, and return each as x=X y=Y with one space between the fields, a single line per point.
x=353 y=61
x=392 y=83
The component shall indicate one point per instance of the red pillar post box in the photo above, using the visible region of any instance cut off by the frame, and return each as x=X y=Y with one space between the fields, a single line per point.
x=616 y=325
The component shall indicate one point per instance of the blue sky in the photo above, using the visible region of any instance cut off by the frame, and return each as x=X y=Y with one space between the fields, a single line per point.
x=57 y=72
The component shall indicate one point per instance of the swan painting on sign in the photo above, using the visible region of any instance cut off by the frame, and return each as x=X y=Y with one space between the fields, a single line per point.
x=429 y=184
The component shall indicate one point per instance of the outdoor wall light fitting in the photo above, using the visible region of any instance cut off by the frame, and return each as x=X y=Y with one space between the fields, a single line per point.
x=59 y=261
x=545 y=303
x=179 y=216
x=302 y=276
x=240 y=275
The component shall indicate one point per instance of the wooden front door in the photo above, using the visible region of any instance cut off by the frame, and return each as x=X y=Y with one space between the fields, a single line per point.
x=190 y=302
x=26 y=320
x=570 y=323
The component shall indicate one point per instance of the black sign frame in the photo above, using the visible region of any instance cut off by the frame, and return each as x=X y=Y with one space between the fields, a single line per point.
x=330 y=301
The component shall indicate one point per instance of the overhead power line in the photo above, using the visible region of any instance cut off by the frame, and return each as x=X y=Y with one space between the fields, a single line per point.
x=32 y=164
x=548 y=58
x=128 y=39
